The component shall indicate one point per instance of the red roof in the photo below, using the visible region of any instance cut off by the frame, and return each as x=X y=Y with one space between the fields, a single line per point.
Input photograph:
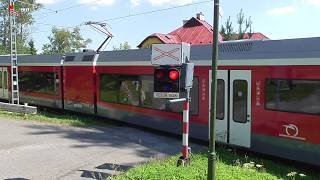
x=255 y=36
x=194 y=31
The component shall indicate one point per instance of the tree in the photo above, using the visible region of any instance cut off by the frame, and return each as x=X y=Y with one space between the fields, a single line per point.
x=23 y=21
x=244 y=28
x=65 y=41
x=32 y=49
x=124 y=46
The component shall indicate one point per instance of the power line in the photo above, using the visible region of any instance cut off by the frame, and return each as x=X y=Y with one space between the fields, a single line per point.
x=155 y=11
x=47 y=14
x=36 y=5
x=127 y=16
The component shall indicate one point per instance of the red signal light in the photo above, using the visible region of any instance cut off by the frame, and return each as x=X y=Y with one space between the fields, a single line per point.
x=159 y=73
x=174 y=74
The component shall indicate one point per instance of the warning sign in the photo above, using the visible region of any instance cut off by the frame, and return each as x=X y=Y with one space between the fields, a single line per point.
x=170 y=54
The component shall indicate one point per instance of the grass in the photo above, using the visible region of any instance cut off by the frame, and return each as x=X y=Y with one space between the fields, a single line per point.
x=230 y=166
x=58 y=117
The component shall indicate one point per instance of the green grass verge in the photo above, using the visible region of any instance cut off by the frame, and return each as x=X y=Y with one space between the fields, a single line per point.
x=230 y=166
x=58 y=117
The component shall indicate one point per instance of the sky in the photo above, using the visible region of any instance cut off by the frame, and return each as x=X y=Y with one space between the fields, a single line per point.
x=277 y=19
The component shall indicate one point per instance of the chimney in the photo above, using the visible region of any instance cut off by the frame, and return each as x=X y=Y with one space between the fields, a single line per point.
x=185 y=21
x=200 y=16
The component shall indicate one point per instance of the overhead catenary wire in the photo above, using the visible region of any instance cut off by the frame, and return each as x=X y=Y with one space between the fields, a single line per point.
x=37 y=5
x=47 y=14
x=127 y=16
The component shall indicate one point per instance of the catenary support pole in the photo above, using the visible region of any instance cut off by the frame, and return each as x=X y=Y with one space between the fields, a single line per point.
x=212 y=150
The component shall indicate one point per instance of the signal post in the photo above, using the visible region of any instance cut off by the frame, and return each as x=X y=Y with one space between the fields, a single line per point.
x=173 y=74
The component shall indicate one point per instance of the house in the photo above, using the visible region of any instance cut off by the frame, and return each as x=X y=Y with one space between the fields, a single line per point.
x=194 y=31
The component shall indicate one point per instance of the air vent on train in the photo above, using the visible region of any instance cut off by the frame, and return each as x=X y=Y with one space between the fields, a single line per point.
x=235 y=47
x=87 y=58
x=69 y=58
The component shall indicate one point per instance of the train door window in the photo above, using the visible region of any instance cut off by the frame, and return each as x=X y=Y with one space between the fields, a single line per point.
x=301 y=96
x=240 y=93
x=109 y=87
x=220 y=99
x=5 y=79
x=129 y=92
x=1 y=81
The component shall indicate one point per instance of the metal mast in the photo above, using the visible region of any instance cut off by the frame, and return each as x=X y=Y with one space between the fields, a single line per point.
x=13 y=54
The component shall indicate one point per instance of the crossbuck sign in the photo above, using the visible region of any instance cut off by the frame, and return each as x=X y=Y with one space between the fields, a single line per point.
x=170 y=54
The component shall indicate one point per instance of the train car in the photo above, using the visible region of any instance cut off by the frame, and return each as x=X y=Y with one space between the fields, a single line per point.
x=268 y=95
x=40 y=80
x=79 y=82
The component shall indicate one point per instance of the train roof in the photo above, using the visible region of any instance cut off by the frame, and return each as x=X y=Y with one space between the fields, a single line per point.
x=304 y=51
x=29 y=60
x=261 y=51
x=85 y=58
x=4 y=60
x=45 y=60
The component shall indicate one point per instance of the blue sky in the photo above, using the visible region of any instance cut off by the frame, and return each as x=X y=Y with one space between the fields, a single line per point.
x=277 y=19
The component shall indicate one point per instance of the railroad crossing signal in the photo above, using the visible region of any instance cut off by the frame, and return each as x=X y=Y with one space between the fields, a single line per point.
x=167 y=81
x=174 y=73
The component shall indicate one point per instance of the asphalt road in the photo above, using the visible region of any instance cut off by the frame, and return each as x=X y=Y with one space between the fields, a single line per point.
x=31 y=150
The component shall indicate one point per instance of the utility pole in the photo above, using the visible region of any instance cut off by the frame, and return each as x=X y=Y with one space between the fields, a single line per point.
x=13 y=54
x=212 y=150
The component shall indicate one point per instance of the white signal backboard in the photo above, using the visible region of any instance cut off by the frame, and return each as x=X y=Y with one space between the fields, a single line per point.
x=170 y=54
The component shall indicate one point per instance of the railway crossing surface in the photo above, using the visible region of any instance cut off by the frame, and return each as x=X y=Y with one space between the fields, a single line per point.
x=32 y=150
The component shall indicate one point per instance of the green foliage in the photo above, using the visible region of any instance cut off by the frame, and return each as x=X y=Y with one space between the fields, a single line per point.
x=58 y=117
x=124 y=46
x=32 y=49
x=65 y=41
x=23 y=22
x=244 y=27
x=229 y=166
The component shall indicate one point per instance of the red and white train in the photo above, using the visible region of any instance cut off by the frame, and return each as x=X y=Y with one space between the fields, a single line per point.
x=268 y=92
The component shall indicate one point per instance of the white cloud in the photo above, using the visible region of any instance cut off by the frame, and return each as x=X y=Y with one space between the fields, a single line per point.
x=47 y=1
x=314 y=2
x=135 y=3
x=169 y=2
x=97 y=2
x=281 y=11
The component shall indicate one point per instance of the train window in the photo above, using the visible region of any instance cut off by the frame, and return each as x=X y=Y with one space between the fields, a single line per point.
x=41 y=82
x=301 y=96
x=146 y=96
x=220 y=99
x=138 y=91
x=88 y=58
x=109 y=88
x=1 y=79
x=5 y=79
x=240 y=94
x=129 y=92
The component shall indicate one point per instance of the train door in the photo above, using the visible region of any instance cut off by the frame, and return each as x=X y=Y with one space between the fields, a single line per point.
x=1 y=83
x=5 y=82
x=240 y=107
x=233 y=124
x=222 y=105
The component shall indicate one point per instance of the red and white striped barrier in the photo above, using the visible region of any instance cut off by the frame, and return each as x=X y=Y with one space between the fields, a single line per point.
x=185 y=135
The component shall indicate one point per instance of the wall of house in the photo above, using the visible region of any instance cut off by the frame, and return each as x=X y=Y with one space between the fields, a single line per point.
x=151 y=40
